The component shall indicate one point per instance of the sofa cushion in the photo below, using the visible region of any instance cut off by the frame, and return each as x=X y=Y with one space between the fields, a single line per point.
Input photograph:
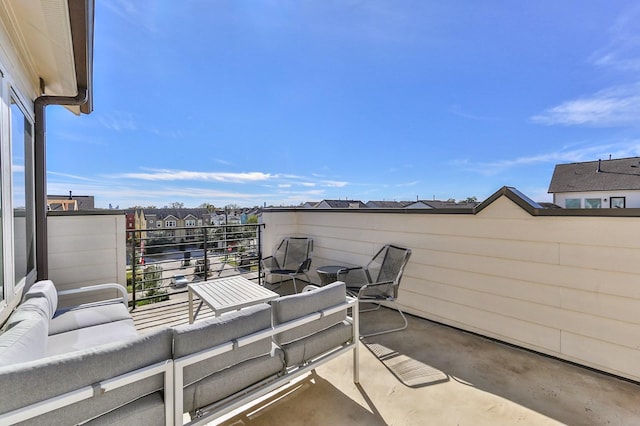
x=45 y=289
x=201 y=335
x=29 y=309
x=295 y=306
x=25 y=341
x=148 y=410
x=226 y=382
x=304 y=350
x=89 y=337
x=45 y=378
x=86 y=316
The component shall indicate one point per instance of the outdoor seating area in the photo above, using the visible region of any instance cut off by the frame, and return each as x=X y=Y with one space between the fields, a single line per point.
x=97 y=373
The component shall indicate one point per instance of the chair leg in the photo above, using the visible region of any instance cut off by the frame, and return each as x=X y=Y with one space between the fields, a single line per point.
x=295 y=288
x=377 y=306
x=274 y=286
x=393 y=329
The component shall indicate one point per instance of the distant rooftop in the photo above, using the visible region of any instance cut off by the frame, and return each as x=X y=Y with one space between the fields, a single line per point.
x=601 y=175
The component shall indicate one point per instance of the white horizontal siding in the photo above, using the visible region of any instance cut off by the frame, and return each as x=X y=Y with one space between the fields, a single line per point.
x=86 y=250
x=565 y=286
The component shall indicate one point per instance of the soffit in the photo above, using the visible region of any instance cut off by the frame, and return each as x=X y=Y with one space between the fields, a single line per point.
x=43 y=35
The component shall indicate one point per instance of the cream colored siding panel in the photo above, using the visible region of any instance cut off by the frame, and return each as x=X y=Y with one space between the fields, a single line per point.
x=508 y=308
x=604 y=258
x=516 y=289
x=624 y=309
x=524 y=333
x=619 y=360
x=502 y=249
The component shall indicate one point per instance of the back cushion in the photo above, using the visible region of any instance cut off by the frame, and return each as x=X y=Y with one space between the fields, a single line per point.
x=25 y=341
x=31 y=308
x=288 y=308
x=44 y=289
x=201 y=335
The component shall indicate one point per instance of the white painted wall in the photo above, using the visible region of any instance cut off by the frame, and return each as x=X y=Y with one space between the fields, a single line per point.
x=86 y=250
x=564 y=286
x=632 y=197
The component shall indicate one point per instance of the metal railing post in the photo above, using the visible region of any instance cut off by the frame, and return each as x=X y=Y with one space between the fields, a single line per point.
x=206 y=259
x=259 y=232
x=134 y=281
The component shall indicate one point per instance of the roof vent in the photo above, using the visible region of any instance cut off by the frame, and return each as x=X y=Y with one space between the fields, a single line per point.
x=599 y=170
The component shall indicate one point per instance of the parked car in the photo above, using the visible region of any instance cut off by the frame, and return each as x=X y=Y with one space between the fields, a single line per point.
x=180 y=281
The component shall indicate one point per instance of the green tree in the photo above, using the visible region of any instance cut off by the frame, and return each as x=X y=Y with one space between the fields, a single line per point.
x=175 y=205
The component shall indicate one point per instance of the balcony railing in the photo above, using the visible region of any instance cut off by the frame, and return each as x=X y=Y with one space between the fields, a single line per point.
x=162 y=261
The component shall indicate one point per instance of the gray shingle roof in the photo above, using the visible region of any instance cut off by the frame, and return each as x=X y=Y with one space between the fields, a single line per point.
x=388 y=204
x=618 y=174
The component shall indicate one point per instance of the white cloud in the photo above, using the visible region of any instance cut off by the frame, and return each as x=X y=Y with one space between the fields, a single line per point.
x=589 y=153
x=180 y=175
x=613 y=107
x=334 y=184
x=622 y=53
x=66 y=175
x=117 y=121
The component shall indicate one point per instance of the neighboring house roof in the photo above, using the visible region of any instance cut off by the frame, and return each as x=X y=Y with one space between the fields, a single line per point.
x=341 y=204
x=437 y=204
x=388 y=204
x=82 y=202
x=601 y=175
x=549 y=205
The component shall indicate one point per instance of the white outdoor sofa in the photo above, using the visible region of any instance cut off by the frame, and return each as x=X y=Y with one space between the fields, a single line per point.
x=88 y=365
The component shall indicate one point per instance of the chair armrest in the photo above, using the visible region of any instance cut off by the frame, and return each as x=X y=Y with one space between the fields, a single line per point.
x=122 y=290
x=304 y=266
x=353 y=276
x=269 y=263
x=370 y=286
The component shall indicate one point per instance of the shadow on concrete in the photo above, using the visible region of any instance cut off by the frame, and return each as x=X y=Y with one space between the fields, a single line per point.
x=565 y=392
x=330 y=405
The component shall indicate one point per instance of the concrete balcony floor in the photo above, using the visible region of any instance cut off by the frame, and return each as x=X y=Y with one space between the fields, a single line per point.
x=433 y=374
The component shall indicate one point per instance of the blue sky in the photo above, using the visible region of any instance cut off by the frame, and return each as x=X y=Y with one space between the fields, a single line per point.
x=281 y=102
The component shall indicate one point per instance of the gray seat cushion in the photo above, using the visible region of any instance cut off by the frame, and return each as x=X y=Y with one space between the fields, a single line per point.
x=148 y=410
x=90 y=337
x=87 y=316
x=215 y=387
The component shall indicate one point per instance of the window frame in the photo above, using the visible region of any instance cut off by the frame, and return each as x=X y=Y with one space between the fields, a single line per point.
x=624 y=202
x=568 y=200
x=588 y=203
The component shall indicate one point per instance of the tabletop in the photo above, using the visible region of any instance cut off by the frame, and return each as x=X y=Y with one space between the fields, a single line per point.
x=228 y=294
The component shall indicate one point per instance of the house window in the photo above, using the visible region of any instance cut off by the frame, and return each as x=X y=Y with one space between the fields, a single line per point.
x=23 y=194
x=170 y=223
x=592 y=203
x=572 y=203
x=618 y=202
x=190 y=222
x=149 y=224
